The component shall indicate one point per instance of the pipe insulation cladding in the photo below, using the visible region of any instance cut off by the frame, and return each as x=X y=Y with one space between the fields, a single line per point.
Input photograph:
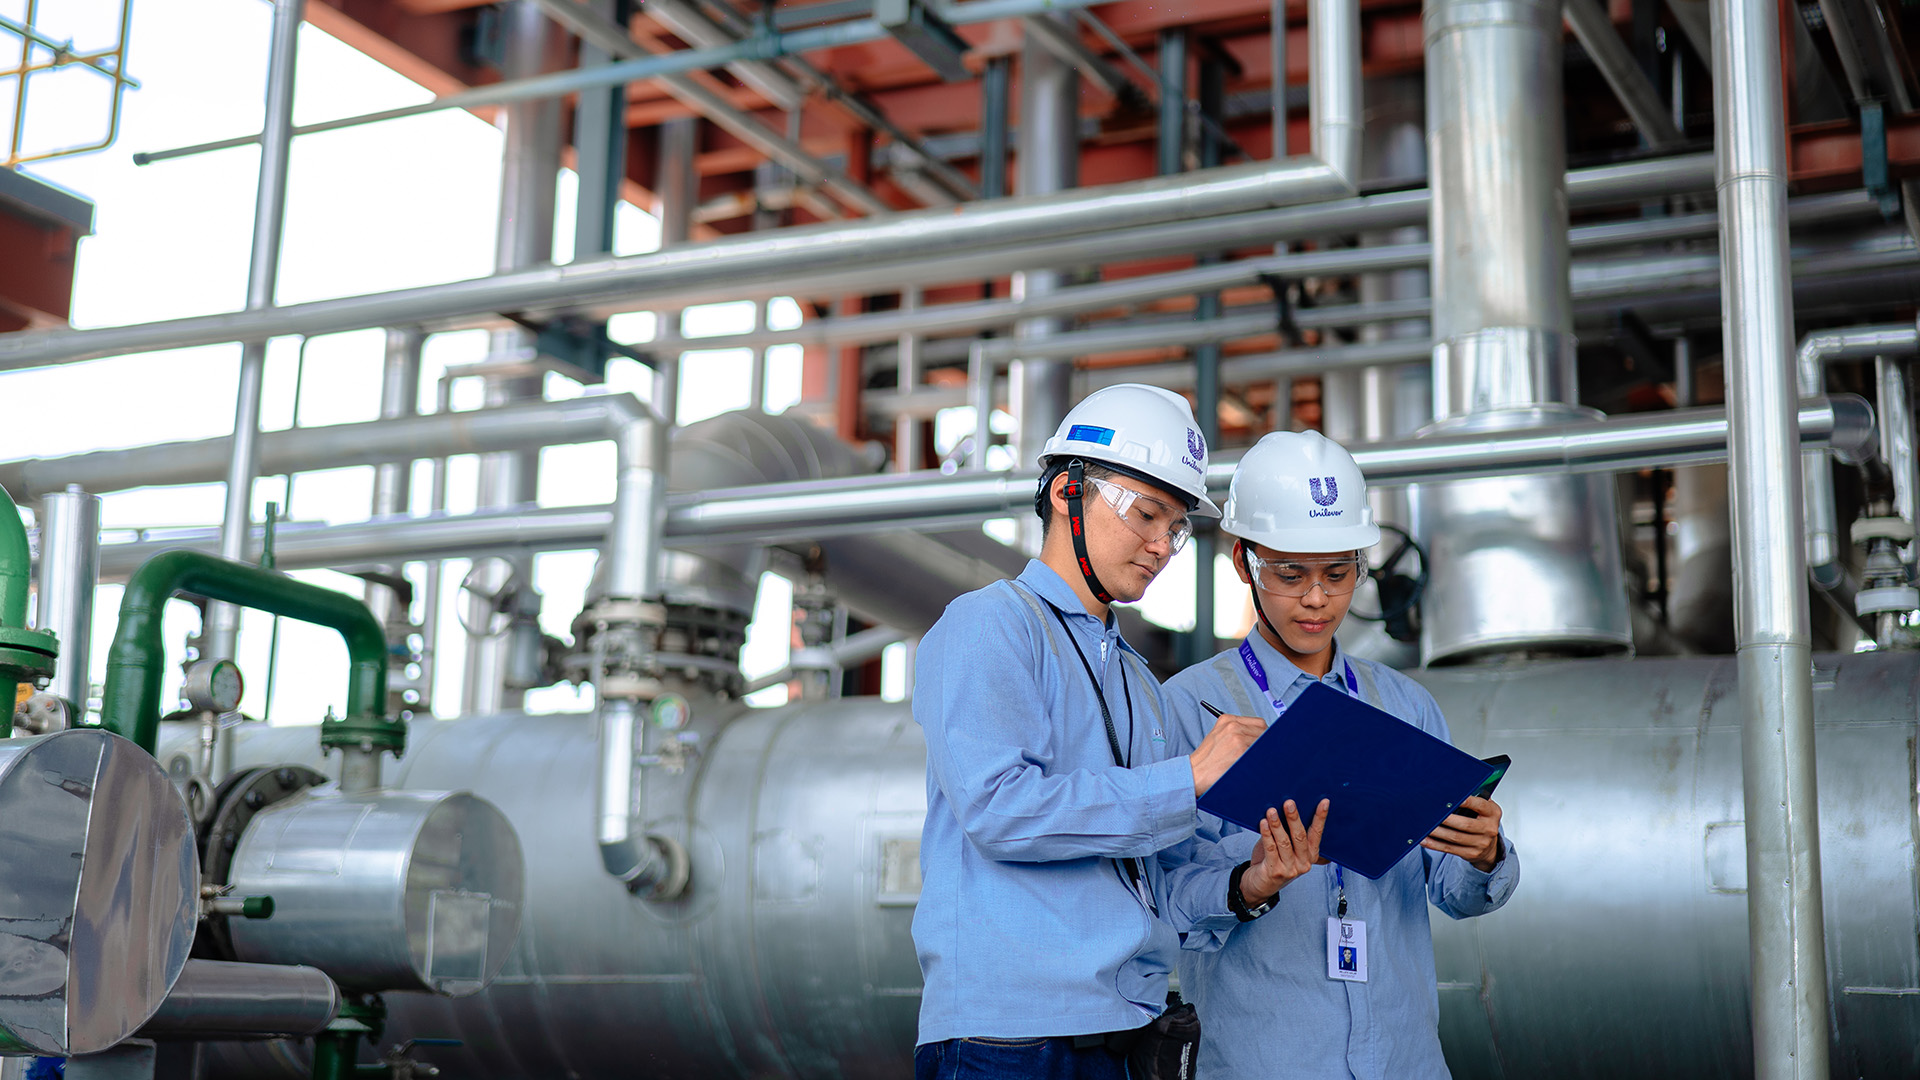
x=790 y=955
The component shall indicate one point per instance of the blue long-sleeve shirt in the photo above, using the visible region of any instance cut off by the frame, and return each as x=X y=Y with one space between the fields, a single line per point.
x=1026 y=924
x=1266 y=1004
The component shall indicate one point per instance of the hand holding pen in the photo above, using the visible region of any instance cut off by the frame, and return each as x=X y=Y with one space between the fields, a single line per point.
x=1230 y=737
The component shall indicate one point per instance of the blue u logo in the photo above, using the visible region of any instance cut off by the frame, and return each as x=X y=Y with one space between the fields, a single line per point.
x=1327 y=497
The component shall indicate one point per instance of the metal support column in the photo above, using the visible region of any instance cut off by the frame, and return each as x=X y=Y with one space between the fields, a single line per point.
x=1047 y=159
x=1173 y=102
x=996 y=85
x=1785 y=927
x=69 y=571
x=529 y=169
x=392 y=495
x=263 y=273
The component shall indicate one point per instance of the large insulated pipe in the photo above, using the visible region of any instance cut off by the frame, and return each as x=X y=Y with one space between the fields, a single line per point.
x=69 y=571
x=1785 y=929
x=223 y=1001
x=1817 y=350
x=1503 y=356
x=131 y=705
x=263 y=274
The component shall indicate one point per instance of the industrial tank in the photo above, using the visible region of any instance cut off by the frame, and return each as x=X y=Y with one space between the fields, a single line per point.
x=1624 y=952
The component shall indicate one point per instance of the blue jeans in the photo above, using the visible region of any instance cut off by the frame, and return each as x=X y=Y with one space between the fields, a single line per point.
x=1053 y=1058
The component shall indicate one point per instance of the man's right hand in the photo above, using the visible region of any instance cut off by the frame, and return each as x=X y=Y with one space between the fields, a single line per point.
x=1230 y=737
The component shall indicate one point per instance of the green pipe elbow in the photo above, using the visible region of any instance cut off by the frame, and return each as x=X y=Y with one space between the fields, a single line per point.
x=131 y=704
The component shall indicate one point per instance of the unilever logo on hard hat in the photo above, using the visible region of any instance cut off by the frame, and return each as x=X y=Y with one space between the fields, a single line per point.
x=1196 y=451
x=1326 y=497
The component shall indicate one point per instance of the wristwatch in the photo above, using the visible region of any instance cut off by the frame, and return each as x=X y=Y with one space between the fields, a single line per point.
x=1238 y=904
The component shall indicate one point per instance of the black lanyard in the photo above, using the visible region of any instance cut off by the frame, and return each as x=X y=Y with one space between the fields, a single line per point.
x=1135 y=871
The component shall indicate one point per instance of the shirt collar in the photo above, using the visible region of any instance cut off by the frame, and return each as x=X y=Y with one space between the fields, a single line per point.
x=1284 y=672
x=1045 y=582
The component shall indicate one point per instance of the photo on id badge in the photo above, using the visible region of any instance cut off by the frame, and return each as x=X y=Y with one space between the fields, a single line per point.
x=1347 y=950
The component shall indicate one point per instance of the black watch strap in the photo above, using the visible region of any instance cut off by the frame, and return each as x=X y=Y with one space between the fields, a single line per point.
x=1237 y=903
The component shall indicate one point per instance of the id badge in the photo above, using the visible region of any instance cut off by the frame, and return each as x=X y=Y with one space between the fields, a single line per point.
x=1347 y=950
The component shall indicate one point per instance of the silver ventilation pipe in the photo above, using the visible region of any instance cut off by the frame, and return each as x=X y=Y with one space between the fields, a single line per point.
x=1504 y=353
x=1785 y=921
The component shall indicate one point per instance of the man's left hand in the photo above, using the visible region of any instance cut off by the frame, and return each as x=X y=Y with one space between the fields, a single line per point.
x=1475 y=839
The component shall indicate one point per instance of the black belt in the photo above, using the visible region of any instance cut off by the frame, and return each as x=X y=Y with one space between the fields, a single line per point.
x=1117 y=1043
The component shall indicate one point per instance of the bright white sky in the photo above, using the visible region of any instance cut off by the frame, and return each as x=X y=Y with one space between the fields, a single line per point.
x=392 y=205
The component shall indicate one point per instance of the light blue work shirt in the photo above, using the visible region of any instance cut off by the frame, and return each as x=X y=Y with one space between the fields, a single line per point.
x=1267 y=1007
x=1026 y=924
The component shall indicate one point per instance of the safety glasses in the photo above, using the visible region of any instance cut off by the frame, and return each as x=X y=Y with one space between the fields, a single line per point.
x=1150 y=519
x=1335 y=576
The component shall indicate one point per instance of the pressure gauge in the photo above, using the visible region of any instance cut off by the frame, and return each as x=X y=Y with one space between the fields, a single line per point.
x=671 y=712
x=213 y=686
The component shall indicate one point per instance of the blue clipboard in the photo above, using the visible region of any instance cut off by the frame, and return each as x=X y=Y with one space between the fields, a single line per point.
x=1389 y=782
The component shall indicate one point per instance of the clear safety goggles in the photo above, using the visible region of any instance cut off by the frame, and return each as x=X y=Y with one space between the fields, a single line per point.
x=1335 y=576
x=1150 y=519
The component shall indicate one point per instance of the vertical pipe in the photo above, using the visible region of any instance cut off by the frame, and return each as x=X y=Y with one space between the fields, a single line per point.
x=995 y=99
x=757 y=369
x=69 y=573
x=1333 y=86
x=908 y=444
x=600 y=159
x=530 y=164
x=392 y=483
x=270 y=204
x=1394 y=401
x=1785 y=929
x=1206 y=359
x=1896 y=432
x=1277 y=56
x=1047 y=160
x=1173 y=101
x=980 y=378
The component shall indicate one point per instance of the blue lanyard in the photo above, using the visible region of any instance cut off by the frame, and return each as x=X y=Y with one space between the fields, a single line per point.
x=1259 y=674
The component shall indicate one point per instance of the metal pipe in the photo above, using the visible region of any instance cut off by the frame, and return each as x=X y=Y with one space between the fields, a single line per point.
x=930 y=499
x=218 y=1000
x=641 y=69
x=69 y=572
x=130 y=707
x=605 y=34
x=393 y=482
x=1816 y=351
x=1786 y=935
x=1171 y=139
x=263 y=274
x=1896 y=432
x=1594 y=27
x=1333 y=85
x=978 y=315
x=1186 y=213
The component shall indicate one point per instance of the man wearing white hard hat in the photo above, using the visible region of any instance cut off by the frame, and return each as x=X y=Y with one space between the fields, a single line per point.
x=1050 y=788
x=1262 y=981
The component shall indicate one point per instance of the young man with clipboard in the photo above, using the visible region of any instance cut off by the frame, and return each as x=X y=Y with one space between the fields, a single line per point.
x=1041 y=927
x=1335 y=973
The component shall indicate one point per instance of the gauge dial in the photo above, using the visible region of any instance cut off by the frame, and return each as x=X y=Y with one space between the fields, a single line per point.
x=213 y=686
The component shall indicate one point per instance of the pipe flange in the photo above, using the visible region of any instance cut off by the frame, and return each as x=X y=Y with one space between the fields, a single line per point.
x=236 y=801
x=613 y=610
x=1899 y=530
x=1889 y=599
x=367 y=733
x=26 y=655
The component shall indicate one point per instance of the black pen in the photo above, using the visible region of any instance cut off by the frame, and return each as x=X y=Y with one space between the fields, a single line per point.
x=1212 y=708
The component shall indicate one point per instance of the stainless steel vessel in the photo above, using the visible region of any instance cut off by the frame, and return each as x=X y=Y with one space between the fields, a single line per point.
x=383 y=890
x=98 y=896
x=1622 y=954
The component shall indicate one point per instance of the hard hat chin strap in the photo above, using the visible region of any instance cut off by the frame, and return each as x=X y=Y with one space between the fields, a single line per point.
x=1259 y=609
x=1075 y=490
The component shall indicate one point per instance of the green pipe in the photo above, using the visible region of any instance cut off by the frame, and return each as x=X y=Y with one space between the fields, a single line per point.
x=24 y=654
x=16 y=564
x=131 y=704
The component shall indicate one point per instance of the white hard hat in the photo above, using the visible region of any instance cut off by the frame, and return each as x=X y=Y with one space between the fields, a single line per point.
x=1300 y=492
x=1142 y=430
